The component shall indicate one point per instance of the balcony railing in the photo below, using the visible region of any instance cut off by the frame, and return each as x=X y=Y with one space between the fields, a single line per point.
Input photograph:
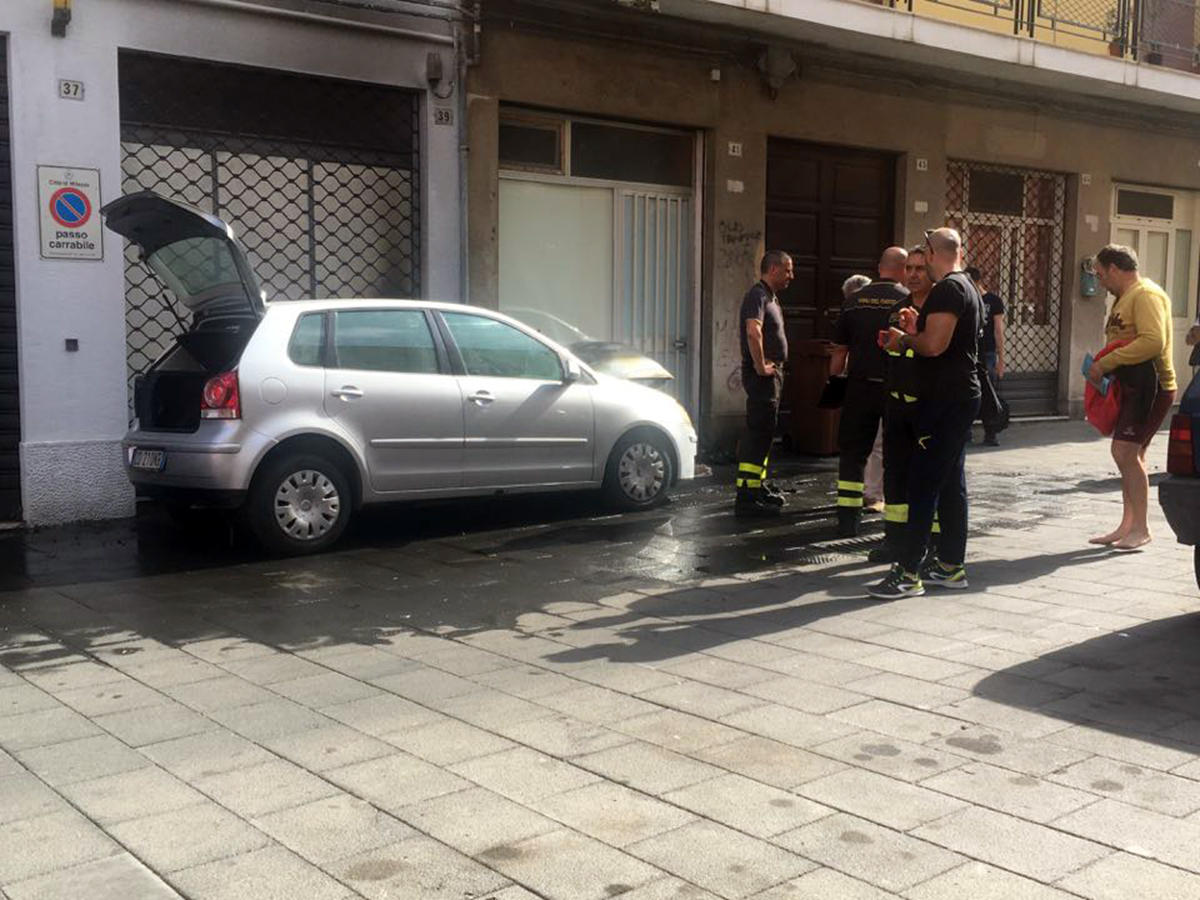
x=1158 y=32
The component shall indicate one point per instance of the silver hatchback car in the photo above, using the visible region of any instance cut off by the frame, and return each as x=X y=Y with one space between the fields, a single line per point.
x=299 y=413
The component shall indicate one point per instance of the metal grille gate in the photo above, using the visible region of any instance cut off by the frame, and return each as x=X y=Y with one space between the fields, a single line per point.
x=654 y=312
x=1013 y=226
x=10 y=422
x=318 y=177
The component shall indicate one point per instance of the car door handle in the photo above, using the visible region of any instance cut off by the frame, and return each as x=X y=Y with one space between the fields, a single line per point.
x=347 y=392
x=481 y=398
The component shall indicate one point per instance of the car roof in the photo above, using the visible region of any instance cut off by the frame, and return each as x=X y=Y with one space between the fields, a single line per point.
x=374 y=303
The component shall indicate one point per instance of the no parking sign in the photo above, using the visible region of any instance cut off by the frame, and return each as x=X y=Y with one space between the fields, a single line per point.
x=69 y=200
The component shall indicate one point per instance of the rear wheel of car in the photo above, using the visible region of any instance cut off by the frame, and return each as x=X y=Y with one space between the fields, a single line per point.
x=299 y=504
x=639 y=471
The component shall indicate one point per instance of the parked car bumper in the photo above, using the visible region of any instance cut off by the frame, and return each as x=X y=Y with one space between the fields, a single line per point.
x=218 y=457
x=1180 y=500
x=685 y=439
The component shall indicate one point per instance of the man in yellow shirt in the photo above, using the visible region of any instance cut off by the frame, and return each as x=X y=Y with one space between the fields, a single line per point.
x=1141 y=316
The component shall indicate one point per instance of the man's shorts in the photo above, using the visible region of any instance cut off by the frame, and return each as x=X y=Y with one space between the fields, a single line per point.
x=1141 y=431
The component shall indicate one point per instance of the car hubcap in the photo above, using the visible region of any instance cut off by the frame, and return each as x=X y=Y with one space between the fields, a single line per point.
x=642 y=472
x=307 y=505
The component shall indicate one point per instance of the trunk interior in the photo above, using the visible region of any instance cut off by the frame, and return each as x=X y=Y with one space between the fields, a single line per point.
x=167 y=397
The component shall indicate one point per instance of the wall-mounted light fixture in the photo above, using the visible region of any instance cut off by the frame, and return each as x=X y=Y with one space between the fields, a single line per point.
x=435 y=75
x=62 y=16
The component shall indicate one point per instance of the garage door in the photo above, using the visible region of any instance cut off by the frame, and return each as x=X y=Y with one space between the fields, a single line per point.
x=319 y=178
x=10 y=426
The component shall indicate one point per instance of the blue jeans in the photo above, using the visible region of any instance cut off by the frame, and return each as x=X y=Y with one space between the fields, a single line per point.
x=937 y=481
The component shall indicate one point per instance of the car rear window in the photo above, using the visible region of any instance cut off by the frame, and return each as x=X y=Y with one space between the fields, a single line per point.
x=308 y=340
x=385 y=340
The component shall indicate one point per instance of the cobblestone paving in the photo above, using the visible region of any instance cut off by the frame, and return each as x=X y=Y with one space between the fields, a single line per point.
x=668 y=705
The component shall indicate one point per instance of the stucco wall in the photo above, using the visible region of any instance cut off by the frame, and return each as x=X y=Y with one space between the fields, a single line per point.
x=656 y=85
x=73 y=405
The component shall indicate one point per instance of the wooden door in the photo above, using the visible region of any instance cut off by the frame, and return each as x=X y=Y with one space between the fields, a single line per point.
x=832 y=209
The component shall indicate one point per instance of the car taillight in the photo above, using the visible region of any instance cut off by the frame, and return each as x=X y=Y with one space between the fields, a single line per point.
x=221 y=399
x=1180 y=453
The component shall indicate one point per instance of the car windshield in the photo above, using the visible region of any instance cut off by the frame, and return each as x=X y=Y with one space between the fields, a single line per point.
x=558 y=330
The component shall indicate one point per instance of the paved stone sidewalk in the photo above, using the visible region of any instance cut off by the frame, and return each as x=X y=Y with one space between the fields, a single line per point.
x=644 y=707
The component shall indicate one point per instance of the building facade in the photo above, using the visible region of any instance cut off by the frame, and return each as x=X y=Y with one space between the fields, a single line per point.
x=648 y=153
x=326 y=134
x=611 y=168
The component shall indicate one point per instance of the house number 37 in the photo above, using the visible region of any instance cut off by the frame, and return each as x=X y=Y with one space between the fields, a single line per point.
x=70 y=90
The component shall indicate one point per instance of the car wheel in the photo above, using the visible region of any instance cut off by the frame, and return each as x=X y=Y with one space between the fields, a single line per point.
x=1196 y=563
x=299 y=504
x=639 y=471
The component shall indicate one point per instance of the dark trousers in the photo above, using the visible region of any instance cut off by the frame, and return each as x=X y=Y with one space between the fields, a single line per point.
x=899 y=446
x=762 y=418
x=990 y=361
x=937 y=482
x=862 y=412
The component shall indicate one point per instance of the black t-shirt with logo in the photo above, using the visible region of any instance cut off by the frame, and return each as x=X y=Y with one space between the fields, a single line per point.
x=954 y=375
x=868 y=312
x=993 y=306
x=760 y=303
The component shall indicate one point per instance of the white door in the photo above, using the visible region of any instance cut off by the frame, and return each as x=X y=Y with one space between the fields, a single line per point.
x=654 y=309
x=556 y=258
x=1169 y=255
x=582 y=261
x=525 y=424
x=389 y=389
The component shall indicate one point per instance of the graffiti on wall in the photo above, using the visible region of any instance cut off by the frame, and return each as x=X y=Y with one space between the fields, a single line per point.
x=737 y=245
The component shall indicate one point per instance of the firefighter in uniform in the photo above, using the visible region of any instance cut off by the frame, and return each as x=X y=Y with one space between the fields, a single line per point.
x=864 y=317
x=764 y=352
x=900 y=417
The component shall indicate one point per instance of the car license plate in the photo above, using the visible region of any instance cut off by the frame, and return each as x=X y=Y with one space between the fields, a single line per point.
x=148 y=460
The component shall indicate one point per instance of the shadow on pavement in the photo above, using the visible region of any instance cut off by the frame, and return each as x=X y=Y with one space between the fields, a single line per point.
x=1142 y=683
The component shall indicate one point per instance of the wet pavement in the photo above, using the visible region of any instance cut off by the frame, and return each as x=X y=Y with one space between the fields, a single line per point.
x=530 y=697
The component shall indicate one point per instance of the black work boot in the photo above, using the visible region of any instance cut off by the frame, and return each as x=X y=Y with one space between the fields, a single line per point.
x=848 y=520
x=755 y=502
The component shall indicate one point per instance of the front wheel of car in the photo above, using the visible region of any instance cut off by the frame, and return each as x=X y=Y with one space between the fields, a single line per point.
x=639 y=471
x=299 y=504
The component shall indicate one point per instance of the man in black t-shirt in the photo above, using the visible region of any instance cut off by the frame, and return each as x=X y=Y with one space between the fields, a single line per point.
x=857 y=338
x=764 y=352
x=945 y=338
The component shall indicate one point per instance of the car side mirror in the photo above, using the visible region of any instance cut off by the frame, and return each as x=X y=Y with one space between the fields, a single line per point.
x=571 y=370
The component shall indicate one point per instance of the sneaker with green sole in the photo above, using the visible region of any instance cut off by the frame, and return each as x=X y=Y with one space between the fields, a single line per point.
x=939 y=574
x=897 y=585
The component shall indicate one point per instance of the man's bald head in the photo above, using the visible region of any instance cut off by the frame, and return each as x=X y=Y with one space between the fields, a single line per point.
x=944 y=240
x=945 y=252
x=891 y=264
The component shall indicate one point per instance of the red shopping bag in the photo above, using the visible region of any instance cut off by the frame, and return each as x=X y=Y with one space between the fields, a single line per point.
x=1099 y=408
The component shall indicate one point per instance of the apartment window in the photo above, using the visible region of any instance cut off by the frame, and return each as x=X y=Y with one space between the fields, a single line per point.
x=1145 y=204
x=531 y=145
